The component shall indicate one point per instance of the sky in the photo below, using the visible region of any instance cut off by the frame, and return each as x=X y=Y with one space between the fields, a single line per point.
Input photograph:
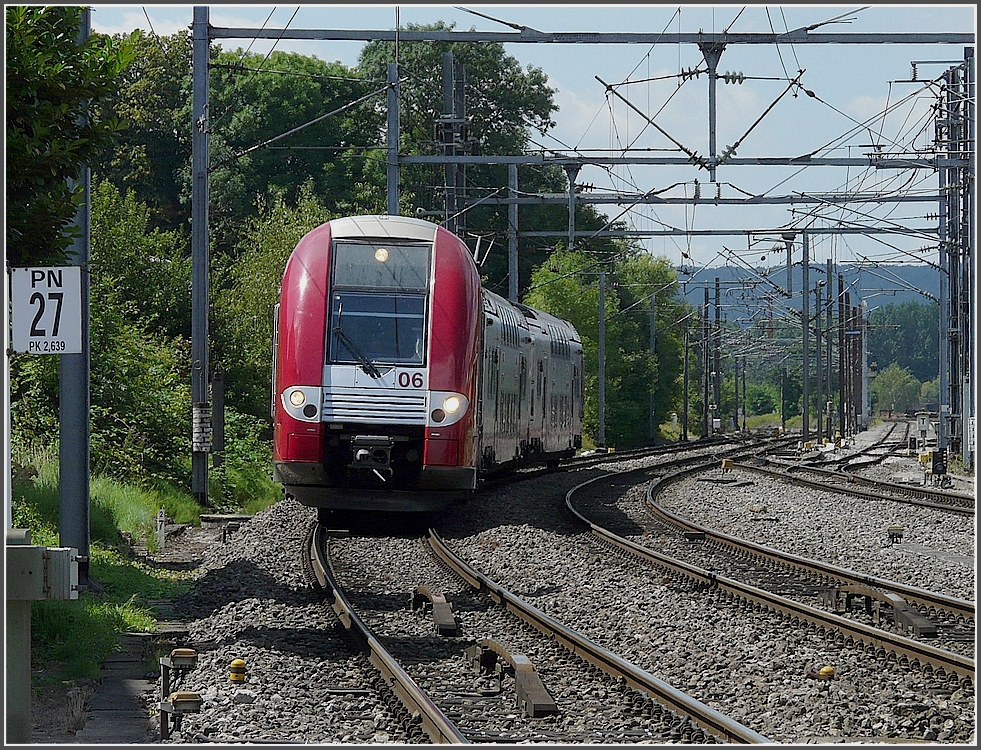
x=862 y=99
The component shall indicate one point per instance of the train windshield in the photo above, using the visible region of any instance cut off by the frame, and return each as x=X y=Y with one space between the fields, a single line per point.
x=372 y=265
x=377 y=328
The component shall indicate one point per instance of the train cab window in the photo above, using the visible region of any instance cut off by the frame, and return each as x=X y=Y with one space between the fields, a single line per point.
x=379 y=328
x=372 y=265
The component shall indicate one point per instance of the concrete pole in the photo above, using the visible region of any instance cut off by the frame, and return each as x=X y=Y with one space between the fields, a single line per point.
x=73 y=392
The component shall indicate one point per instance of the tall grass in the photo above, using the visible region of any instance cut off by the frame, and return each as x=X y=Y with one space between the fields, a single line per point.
x=70 y=639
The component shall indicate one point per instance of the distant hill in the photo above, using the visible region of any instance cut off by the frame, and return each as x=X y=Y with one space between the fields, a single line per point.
x=745 y=291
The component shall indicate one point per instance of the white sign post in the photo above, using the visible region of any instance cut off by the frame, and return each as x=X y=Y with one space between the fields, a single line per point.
x=46 y=310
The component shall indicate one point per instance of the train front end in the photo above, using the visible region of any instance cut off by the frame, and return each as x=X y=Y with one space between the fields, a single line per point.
x=375 y=363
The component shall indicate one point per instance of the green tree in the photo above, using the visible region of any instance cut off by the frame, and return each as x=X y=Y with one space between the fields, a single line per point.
x=906 y=335
x=139 y=392
x=255 y=100
x=567 y=285
x=247 y=288
x=51 y=81
x=895 y=388
x=153 y=95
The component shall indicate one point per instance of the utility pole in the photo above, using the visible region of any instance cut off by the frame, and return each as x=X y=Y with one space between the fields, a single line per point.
x=841 y=355
x=653 y=426
x=744 y=394
x=828 y=315
x=684 y=388
x=705 y=364
x=602 y=359
x=817 y=357
x=200 y=259
x=806 y=319
x=453 y=126
x=783 y=398
x=513 y=234
x=392 y=161
x=572 y=172
x=717 y=356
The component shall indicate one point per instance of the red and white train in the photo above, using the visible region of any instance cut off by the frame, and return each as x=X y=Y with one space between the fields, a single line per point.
x=399 y=383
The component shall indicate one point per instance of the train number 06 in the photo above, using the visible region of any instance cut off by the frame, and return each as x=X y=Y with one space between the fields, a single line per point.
x=410 y=380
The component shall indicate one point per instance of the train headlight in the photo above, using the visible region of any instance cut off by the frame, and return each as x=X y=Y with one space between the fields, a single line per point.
x=447 y=408
x=302 y=402
x=381 y=255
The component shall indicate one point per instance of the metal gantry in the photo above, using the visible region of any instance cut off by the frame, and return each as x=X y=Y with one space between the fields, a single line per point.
x=954 y=161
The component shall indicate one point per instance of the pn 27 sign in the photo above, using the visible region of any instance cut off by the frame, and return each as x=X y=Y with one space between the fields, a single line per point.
x=46 y=310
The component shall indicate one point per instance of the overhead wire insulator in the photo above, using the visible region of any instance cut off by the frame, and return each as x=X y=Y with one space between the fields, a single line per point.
x=733 y=77
x=687 y=73
x=912 y=73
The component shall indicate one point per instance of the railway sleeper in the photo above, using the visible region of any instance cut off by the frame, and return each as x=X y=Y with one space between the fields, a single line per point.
x=906 y=616
x=491 y=660
x=446 y=623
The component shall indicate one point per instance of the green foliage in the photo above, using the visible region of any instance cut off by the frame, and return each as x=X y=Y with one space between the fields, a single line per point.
x=243 y=479
x=139 y=380
x=247 y=288
x=153 y=95
x=762 y=398
x=895 y=389
x=907 y=335
x=292 y=93
x=51 y=80
x=567 y=286
x=114 y=506
x=137 y=268
x=73 y=638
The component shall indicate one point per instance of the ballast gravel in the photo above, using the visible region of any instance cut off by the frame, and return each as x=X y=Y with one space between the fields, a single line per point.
x=304 y=684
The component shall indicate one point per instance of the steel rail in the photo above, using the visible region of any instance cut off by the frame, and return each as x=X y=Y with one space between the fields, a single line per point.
x=916 y=652
x=868 y=494
x=707 y=718
x=434 y=722
x=918 y=597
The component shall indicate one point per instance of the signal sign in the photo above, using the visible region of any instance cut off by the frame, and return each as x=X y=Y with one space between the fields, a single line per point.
x=46 y=310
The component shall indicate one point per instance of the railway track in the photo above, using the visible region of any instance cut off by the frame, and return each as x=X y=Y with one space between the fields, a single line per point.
x=618 y=701
x=431 y=720
x=852 y=484
x=813 y=578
